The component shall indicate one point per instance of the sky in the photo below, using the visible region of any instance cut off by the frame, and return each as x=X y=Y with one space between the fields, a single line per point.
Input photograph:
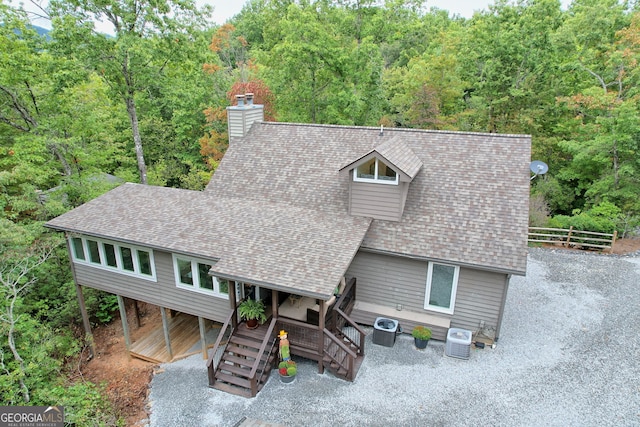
x=225 y=9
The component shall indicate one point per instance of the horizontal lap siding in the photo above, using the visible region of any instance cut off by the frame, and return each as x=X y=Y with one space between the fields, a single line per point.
x=162 y=293
x=390 y=281
x=479 y=298
x=376 y=200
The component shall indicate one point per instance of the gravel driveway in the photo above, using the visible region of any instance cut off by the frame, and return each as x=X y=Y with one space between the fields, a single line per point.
x=568 y=355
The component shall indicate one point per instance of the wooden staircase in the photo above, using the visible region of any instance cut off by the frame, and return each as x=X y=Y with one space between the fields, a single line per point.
x=246 y=361
x=341 y=356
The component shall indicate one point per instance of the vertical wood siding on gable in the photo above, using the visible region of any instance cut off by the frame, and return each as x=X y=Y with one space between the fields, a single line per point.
x=163 y=293
x=378 y=201
x=388 y=281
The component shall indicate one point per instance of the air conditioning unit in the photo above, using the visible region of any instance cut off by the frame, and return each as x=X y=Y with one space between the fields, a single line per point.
x=458 y=343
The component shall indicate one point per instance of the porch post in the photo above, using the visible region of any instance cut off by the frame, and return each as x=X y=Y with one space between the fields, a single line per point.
x=233 y=302
x=203 y=337
x=274 y=303
x=85 y=320
x=165 y=327
x=321 y=322
x=125 y=324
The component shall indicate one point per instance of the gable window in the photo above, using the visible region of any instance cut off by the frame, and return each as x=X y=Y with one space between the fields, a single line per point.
x=375 y=170
x=193 y=274
x=114 y=256
x=442 y=283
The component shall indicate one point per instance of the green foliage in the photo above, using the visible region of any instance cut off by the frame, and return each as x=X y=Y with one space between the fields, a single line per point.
x=421 y=332
x=250 y=309
x=84 y=404
x=288 y=367
x=603 y=218
x=108 y=305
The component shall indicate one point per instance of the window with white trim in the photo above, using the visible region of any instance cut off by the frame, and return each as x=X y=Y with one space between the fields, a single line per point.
x=193 y=274
x=114 y=256
x=442 y=283
x=375 y=170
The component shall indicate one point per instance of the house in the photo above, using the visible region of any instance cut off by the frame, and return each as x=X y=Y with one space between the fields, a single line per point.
x=332 y=226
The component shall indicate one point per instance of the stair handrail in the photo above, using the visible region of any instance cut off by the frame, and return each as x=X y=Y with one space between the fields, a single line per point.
x=211 y=365
x=349 y=293
x=265 y=341
x=350 y=353
x=354 y=325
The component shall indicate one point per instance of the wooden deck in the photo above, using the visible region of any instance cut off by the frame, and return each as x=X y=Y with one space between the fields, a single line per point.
x=184 y=333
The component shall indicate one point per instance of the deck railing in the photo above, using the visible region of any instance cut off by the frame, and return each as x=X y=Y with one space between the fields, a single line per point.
x=268 y=341
x=572 y=237
x=218 y=348
x=302 y=336
x=339 y=356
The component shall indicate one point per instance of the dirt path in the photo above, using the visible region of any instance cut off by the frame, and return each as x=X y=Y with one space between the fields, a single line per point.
x=126 y=378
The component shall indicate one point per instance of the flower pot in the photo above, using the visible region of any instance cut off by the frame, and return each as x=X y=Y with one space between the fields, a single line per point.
x=420 y=344
x=287 y=378
x=252 y=323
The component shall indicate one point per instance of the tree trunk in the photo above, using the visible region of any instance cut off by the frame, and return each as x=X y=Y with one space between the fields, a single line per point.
x=137 y=140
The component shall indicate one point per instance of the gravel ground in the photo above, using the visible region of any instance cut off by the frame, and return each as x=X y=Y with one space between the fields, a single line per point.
x=568 y=355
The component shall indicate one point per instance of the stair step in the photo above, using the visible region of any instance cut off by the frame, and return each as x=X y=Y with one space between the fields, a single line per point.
x=244 y=351
x=229 y=388
x=238 y=360
x=249 y=342
x=232 y=379
x=235 y=369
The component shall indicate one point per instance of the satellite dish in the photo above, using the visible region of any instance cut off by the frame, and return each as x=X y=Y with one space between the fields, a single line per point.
x=538 y=167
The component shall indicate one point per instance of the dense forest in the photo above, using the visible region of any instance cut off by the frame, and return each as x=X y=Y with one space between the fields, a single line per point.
x=82 y=111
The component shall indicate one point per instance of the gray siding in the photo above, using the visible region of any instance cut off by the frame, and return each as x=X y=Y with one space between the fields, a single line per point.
x=479 y=298
x=163 y=293
x=378 y=201
x=240 y=119
x=388 y=281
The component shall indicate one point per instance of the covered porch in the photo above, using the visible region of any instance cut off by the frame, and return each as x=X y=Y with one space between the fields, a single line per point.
x=332 y=339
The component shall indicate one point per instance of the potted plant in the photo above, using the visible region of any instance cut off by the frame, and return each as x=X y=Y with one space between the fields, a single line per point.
x=287 y=370
x=421 y=336
x=253 y=312
x=287 y=367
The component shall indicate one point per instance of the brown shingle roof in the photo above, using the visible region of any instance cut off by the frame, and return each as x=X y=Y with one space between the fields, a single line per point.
x=276 y=211
x=467 y=205
x=270 y=243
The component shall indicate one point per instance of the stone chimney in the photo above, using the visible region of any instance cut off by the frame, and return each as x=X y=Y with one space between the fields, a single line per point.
x=241 y=116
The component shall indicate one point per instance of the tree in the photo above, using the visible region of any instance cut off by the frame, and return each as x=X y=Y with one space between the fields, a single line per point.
x=148 y=35
x=17 y=266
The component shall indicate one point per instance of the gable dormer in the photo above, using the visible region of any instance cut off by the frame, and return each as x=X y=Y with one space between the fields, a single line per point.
x=379 y=180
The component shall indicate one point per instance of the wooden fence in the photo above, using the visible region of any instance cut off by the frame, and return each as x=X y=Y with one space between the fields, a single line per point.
x=573 y=238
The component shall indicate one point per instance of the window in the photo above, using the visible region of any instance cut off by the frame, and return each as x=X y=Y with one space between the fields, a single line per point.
x=78 y=248
x=193 y=274
x=375 y=170
x=113 y=256
x=94 y=251
x=442 y=282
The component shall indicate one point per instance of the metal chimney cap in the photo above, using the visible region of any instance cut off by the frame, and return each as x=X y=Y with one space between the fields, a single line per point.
x=240 y=99
x=249 y=97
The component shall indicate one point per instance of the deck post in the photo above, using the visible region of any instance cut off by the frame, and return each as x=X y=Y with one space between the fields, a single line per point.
x=125 y=324
x=165 y=327
x=232 y=301
x=203 y=338
x=321 y=322
x=274 y=303
x=85 y=321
